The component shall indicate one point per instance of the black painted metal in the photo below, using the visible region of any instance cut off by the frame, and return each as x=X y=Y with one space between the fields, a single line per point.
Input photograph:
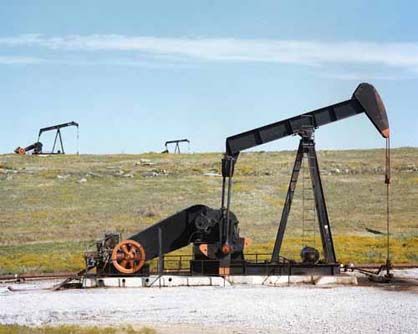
x=288 y=204
x=36 y=147
x=228 y=229
x=365 y=99
x=160 y=251
x=177 y=142
x=56 y=127
x=307 y=146
x=58 y=135
x=321 y=207
x=256 y=264
x=197 y=224
x=218 y=229
x=372 y=103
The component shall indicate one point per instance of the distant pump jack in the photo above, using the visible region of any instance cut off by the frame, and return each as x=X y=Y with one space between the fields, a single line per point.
x=177 y=145
x=37 y=147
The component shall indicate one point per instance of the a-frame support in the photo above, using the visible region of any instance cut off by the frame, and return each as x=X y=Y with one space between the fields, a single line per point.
x=177 y=148
x=307 y=146
x=58 y=135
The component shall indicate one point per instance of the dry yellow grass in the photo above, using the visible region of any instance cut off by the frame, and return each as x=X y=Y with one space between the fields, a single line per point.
x=48 y=215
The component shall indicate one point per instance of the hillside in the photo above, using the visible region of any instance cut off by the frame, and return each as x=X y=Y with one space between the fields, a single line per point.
x=52 y=208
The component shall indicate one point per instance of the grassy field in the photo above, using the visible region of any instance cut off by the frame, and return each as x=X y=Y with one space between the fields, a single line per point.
x=52 y=208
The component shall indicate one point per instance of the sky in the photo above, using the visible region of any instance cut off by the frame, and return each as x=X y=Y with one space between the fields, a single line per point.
x=137 y=73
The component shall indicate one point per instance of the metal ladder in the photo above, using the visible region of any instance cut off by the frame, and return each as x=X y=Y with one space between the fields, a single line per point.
x=308 y=206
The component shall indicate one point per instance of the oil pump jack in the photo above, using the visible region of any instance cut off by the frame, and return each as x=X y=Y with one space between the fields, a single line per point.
x=177 y=145
x=37 y=146
x=217 y=247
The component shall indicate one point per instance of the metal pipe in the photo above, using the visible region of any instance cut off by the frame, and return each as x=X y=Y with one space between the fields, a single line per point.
x=160 y=252
x=221 y=226
x=62 y=146
x=55 y=141
x=387 y=181
x=228 y=202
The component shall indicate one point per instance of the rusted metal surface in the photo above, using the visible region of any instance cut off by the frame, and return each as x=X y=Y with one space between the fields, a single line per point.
x=128 y=256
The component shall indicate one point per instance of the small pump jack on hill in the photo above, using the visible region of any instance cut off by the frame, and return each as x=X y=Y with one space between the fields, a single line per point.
x=37 y=147
x=177 y=143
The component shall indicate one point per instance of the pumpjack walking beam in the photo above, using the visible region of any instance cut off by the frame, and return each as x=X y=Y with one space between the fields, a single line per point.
x=365 y=99
x=58 y=135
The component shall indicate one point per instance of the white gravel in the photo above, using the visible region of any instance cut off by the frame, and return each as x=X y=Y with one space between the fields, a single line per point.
x=237 y=309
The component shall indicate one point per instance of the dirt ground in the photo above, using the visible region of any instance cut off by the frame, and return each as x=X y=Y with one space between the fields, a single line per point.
x=237 y=309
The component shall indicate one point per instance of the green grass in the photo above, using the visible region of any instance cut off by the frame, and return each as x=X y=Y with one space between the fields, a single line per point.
x=48 y=217
x=68 y=329
x=353 y=249
x=46 y=257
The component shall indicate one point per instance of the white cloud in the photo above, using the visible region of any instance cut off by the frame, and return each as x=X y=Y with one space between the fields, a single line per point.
x=400 y=55
x=352 y=75
x=9 y=60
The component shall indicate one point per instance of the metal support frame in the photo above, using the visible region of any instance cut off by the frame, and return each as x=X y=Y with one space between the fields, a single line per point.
x=365 y=99
x=225 y=225
x=160 y=252
x=202 y=225
x=58 y=135
x=177 y=147
x=307 y=146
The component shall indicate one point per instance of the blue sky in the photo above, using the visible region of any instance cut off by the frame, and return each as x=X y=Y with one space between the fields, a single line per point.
x=137 y=73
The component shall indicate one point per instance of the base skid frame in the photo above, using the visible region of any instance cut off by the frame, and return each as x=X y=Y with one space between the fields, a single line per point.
x=196 y=281
x=268 y=269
